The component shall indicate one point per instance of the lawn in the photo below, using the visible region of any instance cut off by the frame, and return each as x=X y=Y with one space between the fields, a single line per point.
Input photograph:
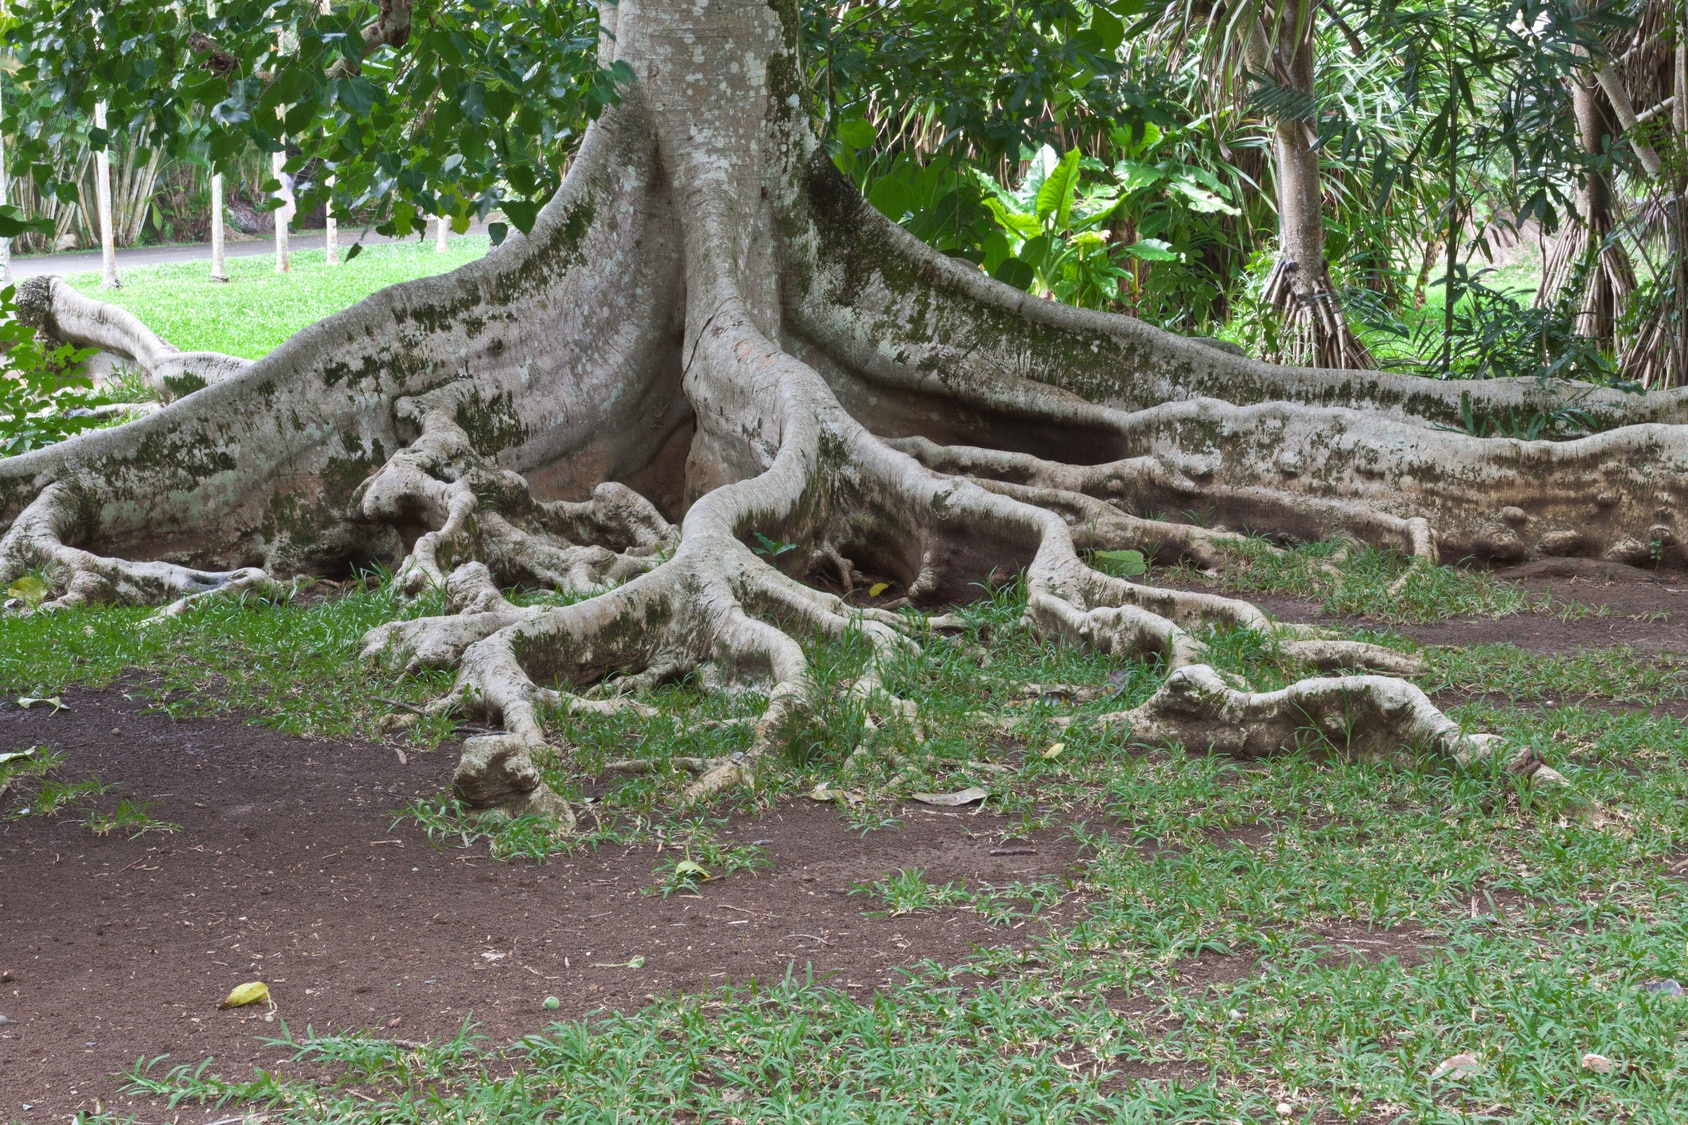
x=258 y=308
x=1305 y=939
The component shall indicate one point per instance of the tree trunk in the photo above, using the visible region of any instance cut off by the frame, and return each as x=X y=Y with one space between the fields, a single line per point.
x=219 y=268
x=102 y=203
x=1584 y=256
x=330 y=229
x=284 y=213
x=1314 y=327
x=708 y=335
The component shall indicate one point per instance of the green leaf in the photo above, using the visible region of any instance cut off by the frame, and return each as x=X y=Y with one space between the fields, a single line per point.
x=1055 y=197
x=1153 y=250
x=356 y=94
x=1015 y=222
x=1015 y=272
x=1120 y=564
x=1109 y=28
x=856 y=133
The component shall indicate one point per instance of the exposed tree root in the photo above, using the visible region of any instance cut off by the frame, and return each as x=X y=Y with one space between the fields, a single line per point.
x=62 y=314
x=707 y=325
x=43 y=538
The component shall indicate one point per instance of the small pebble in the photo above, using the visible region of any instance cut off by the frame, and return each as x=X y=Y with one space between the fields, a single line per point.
x=1599 y=1064
x=3 y=1020
x=1663 y=987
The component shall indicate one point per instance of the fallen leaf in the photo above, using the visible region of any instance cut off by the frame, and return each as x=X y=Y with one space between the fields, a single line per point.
x=1054 y=750
x=825 y=792
x=14 y=755
x=28 y=701
x=1457 y=1067
x=636 y=963
x=1120 y=564
x=949 y=800
x=28 y=589
x=252 y=992
x=877 y=588
x=1599 y=1064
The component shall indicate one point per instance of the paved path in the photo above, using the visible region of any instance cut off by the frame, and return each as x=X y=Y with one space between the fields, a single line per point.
x=86 y=261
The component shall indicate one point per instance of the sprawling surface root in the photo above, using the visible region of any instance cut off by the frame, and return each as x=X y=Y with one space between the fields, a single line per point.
x=60 y=313
x=708 y=317
x=43 y=538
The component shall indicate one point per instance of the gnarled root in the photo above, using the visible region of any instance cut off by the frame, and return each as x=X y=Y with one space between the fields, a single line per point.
x=474 y=510
x=42 y=538
x=62 y=314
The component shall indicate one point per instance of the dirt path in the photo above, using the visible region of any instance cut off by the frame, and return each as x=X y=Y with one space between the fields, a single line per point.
x=287 y=868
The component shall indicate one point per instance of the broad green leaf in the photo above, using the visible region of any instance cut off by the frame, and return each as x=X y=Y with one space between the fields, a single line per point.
x=1153 y=250
x=1038 y=169
x=1055 y=197
x=877 y=588
x=856 y=133
x=1015 y=272
x=1016 y=222
x=1120 y=564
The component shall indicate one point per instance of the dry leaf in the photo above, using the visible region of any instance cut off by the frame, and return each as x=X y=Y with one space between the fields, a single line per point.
x=877 y=588
x=1054 y=750
x=949 y=800
x=252 y=992
x=28 y=701
x=1599 y=1064
x=1456 y=1067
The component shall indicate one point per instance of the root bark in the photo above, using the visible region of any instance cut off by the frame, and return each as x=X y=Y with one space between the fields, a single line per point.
x=632 y=445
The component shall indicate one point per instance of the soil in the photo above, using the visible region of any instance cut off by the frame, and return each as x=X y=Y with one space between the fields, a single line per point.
x=288 y=867
x=1647 y=613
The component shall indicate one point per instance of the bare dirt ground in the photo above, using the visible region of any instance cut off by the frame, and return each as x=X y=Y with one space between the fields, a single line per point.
x=288 y=867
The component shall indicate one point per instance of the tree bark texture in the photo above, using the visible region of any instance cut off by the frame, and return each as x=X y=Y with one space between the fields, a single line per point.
x=708 y=335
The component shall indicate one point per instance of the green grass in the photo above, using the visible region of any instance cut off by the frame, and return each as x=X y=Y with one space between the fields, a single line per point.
x=1198 y=983
x=258 y=308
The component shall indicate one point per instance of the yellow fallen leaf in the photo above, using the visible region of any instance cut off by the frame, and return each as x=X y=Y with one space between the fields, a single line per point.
x=877 y=588
x=1054 y=750
x=28 y=589
x=252 y=992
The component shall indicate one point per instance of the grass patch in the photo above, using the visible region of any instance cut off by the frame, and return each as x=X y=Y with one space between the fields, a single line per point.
x=251 y=314
x=1298 y=939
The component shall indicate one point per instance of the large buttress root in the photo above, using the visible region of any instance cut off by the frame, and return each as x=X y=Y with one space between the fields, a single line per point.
x=707 y=326
x=63 y=315
x=1005 y=387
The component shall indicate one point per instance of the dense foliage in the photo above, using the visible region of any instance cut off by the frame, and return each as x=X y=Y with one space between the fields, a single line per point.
x=1116 y=154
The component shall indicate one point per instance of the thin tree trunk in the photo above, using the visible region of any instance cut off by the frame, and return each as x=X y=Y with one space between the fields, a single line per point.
x=284 y=213
x=330 y=231
x=219 y=270
x=102 y=197
x=1315 y=330
x=441 y=223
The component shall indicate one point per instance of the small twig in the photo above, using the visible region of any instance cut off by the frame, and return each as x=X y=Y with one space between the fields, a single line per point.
x=811 y=937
